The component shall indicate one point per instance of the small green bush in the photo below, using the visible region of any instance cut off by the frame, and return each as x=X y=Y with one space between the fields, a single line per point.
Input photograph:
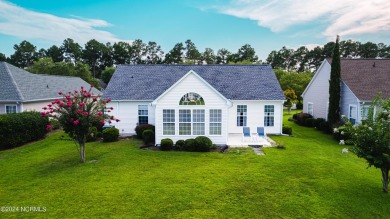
x=324 y=126
x=179 y=145
x=110 y=134
x=300 y=118
x=93 y=134
x=54 y=124
x=17 y=129
x=148 y=136
x=317 y=122
x=309 y=122
x=287 y=130
x=189 y=145
x=203 y=144
x=166 y=144
x=299 y=106
x=139 y=129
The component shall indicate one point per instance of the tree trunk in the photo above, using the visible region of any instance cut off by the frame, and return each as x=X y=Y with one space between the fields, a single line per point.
x=82 y=152
x=385 y=179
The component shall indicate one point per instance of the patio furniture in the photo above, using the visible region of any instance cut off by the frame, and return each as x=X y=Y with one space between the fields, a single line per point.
x=246 y=131
x=260 y=135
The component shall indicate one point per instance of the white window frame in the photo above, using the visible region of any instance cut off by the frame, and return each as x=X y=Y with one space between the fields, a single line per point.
x=141 y=108
x=365 y=109
x=242 y=115
x=184 y=122
x=11 y=105
x=350 y=106
x=198 y=122
x=311 y=112
x=215 y=122
x=268 y=116
x=169 y=119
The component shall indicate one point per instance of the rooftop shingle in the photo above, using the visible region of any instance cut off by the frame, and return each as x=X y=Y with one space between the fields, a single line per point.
x=235 y=82
x=20 y=85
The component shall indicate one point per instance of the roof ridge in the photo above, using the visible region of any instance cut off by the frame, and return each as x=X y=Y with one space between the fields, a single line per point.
x=193 y=65
x=19 y=93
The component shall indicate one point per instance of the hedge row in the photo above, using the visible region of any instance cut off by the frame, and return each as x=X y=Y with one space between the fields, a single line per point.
x=199 y=144
x=20 y=128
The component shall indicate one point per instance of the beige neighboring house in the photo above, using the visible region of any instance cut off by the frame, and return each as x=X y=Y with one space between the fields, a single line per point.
x=361 y=82
x=23 y=91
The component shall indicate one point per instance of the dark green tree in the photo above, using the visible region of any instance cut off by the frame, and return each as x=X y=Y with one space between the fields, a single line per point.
x=121 y=53
x=334 y=86
x=3 y=58
x=107 y=74
x=246 y=52
x=208 y=56
x=368 y=50
x=25 y=54
x=175 y=55
x=154 y=53
x=222 y=56
x=192 y=53
x=71 y=50
x=93 y=55
x=138 y=52
x=55 y=53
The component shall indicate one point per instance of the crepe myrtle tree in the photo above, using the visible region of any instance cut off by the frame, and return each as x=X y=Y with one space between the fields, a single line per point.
x=76 y=112
x=372 y=139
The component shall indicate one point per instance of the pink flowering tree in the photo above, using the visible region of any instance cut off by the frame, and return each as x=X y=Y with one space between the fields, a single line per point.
x=76 y=112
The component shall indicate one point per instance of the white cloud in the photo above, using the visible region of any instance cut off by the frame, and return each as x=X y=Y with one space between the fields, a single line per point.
x=27 y=24
x=346 y=17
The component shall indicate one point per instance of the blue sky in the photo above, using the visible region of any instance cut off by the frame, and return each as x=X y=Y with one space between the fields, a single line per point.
x=264 y=24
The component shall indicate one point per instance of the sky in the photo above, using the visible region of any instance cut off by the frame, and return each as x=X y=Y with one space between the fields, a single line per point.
x=264 y=24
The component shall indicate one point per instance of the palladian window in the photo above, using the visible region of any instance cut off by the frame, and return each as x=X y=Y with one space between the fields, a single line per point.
x=191 y=99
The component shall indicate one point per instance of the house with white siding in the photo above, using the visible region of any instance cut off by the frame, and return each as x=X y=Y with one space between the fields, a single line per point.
x=23 y=91
x=186 y=101
x=361 y=82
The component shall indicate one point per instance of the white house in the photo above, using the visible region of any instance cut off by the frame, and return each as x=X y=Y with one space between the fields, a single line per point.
x=23 y=91
x=361 y=81
x=185 y=101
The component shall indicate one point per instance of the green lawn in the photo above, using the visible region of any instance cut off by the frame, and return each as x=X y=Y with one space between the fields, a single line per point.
x=311 y=178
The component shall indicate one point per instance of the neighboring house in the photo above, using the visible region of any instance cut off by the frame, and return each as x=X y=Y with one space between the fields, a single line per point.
x=361 y=81
x=185 y=101
x=23 y=91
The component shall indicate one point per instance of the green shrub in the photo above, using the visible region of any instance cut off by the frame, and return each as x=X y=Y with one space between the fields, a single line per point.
x=189 y=145
x=324 y=126
x=110 y=134
x=179 y=145
x=343 y=132
x=54 y=124
x=300 y=118
x=287 y=130
x=203 y=144
x=93 y=134
x=309 y=122
x=148 y=136
x=139 y=129
x=299 y=106
x=317 y=123
x=166 y=144
x=19 y=128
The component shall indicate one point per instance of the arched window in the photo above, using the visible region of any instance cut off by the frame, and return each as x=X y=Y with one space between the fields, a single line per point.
x=191 y=99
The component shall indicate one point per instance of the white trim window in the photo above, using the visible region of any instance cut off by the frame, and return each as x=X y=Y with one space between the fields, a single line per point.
x=310 y=108
x=365 y=110
x=185 y=122
x=241 y=115
x=352 y=115
x=198 y=122
x=10 y=109
x=269 y=111
x=143 y=117
x=168 y=122
x=215 y=122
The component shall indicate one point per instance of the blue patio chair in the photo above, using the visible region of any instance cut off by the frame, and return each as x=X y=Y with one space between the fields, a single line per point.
x=246 y=133
x=260 y=132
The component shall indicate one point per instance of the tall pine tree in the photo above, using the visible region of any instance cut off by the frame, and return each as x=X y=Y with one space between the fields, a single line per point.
x=334 y=86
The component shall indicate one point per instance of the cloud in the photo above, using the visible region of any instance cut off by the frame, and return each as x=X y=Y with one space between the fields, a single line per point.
x=346 y=17
x=27 y=24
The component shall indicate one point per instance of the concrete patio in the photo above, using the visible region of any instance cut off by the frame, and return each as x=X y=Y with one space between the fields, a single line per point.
x=236 y=140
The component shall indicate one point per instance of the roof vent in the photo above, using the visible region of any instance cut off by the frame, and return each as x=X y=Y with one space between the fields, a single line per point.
x=132 y=76
x=47 y=86
x=373 y=65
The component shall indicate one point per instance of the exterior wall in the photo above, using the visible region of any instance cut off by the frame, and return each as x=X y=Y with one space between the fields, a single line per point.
x=127 y=113
x=317 y=92
x=35 y=106
x=2 y=107
x=171 y=99
x=347 y=99
x=255 y=116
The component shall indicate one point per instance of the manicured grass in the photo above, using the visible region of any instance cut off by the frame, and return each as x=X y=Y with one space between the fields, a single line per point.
x=311 y=178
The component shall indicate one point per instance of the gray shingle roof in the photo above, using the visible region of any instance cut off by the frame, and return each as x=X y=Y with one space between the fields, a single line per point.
x=20 y=85
x=366 y=77
x=235 y=82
